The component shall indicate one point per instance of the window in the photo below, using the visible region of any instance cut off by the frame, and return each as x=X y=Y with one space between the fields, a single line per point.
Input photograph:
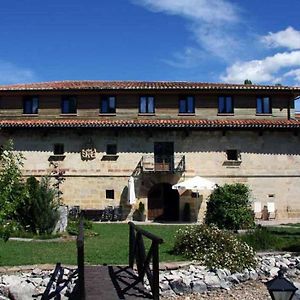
x=30 y=105
x=225 y=105
x=263 y=105
x=108 y=105
x=58 y=149
x=187 y=105
x=111 y=149
x=146 y=105
x=233 y=154
x=110 y=194
x=68 y=105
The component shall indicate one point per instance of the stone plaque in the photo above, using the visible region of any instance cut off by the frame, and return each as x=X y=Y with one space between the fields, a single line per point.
x=88 y=151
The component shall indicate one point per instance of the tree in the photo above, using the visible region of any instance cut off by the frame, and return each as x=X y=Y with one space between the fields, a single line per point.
x=12 y=188
x=247 y=81
x=229 y=207
x=38 y=212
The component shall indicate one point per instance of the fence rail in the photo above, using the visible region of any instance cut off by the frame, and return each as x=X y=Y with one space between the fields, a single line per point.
x=137 y=253
x=80 y=260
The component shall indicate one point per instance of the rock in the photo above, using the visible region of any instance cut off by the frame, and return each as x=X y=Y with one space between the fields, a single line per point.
x=199 y=287
x=164 y=287
x=179 y=287
x=274 y=271
x=221 y=273
x=192 y=269
x=36 y=272
x=212 y=282
x=4 y=291
x=233 y=279
x=172 y=277
x=253 y=275
x=21 y=291
x=226 y=285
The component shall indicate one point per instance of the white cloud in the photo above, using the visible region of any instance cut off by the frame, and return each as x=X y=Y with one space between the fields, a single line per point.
x=10 y=73
x=268 y=69
x=288 y=38
x=210 y=11
x=295 y=74
x=209 y=22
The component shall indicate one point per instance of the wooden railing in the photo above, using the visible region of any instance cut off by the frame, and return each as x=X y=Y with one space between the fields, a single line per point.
x=80 y=260
x=137 y=253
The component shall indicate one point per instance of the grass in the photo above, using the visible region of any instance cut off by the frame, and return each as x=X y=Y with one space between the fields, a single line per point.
x=110 y=246
x=274 y=238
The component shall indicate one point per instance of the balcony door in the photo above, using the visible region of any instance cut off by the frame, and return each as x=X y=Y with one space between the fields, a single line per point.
x=164 y=156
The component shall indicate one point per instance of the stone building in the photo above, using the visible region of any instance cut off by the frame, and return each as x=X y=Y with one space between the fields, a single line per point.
x=98 y=134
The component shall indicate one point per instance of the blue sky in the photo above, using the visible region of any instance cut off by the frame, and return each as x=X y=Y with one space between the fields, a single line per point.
x=193 y=40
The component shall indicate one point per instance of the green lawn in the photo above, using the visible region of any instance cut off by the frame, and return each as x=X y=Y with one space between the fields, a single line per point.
x=110 y=246
x=278 y=238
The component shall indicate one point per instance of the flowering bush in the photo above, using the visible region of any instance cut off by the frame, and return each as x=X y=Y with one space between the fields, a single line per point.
x=214 y=248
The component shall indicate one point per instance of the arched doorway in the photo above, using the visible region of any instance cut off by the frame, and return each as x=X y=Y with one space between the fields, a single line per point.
x=163 y=203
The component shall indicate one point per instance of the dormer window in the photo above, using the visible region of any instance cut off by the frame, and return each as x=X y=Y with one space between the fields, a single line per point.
x=69 y=105
x=187 y=105
x=30 y=105
x=108 y=105
x=263 y=105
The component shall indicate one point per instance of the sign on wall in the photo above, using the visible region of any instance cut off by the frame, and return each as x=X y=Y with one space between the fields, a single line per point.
x=88 y=151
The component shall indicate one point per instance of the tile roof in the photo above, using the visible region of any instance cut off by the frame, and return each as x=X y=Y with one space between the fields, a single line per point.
x=138 y=85
x=176 y=123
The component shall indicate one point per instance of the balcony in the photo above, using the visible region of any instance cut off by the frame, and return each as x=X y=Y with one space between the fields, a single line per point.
x=163 y=163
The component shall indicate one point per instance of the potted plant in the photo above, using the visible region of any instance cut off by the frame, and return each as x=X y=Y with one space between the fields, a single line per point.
x=139 y=214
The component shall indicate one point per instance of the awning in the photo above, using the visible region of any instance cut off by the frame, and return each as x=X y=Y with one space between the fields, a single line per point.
x=195 y=184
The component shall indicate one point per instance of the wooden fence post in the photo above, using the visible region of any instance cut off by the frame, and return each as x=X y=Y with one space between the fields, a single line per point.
x=80 y=260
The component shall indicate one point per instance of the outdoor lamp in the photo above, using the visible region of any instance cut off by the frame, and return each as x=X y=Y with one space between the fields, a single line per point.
x=280 y=288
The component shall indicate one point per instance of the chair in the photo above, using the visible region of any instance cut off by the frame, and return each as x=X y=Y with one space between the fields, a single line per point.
x=271 y=210
x=257 y=210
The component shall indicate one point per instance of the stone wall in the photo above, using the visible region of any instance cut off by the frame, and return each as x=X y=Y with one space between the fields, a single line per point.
x=270 y=163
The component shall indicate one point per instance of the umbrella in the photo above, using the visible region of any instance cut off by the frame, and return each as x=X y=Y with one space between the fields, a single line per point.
x=131 y=191
x=194 y=184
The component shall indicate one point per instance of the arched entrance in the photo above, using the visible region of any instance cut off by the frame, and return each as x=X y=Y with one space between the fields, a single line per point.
x=163 y=203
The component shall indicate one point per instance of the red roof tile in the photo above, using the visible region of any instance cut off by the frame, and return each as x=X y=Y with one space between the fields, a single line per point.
x=176 y=123
x=137 y=85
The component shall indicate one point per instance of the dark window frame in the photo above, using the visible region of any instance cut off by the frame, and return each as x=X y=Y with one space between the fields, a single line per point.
x=147 y=104
x=264 y=110
x=70 y=111
x=110 y=194
x=58 y=149
x=226 y=108
x=233 y=155
x=186 y=109
x=109 y=109
x=30 y=99
x=109 y=148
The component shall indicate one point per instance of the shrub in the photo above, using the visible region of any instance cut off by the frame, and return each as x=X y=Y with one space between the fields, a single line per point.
x=213 y=247
x=229 y=207
x=38 y=211
x=73 y=226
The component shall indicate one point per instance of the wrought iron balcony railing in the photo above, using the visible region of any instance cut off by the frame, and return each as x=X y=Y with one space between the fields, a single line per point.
x=163 y=163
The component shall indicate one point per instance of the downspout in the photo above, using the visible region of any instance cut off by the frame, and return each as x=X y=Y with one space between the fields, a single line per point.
x=289 y=109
